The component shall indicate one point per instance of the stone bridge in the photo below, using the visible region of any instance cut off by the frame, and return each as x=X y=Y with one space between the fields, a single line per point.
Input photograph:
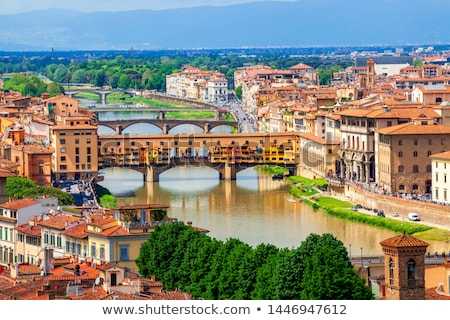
x=165 y=125
x=226 y=153
x=103 y=93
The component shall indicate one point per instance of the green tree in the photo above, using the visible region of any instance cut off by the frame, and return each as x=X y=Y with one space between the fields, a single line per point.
x=16 y=186
x=328 y=273
x=108 y=201
x=238 y=92
x=54 y=89
x=64 y=198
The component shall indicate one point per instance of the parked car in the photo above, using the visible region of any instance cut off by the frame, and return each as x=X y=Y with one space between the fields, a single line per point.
x=412 y=216
x=395 y=214
x=381 y=213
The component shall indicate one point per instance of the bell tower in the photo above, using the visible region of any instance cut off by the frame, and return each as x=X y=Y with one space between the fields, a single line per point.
x=370 y=73
x=404 y=267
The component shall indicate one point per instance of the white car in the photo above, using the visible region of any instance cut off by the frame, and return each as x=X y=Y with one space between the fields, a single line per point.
x=412 y=216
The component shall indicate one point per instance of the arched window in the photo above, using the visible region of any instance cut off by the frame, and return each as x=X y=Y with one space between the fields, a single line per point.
x=401 y=169
x=415 y=186
x=439 y=100
x=391 y=271
x=411 y=273
x=401 y=187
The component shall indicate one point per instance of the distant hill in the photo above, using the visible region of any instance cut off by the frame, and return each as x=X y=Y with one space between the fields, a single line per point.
x=257 y=24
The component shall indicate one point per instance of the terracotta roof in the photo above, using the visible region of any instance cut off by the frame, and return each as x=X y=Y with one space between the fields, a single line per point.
x=404 y=240
x=412 y=128
x=19 y=204
x=443 y=155
x=59 y=221
x=78 y=231
x=30 y=229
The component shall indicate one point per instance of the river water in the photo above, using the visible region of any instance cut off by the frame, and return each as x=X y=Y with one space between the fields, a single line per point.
x=252 y=208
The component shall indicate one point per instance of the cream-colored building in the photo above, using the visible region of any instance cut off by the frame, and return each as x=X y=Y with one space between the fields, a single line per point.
x=13 y=214
x=318 y=156
x=440 y=175
x=197 y=84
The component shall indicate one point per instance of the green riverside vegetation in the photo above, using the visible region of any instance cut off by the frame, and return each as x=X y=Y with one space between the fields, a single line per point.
x=182 y=257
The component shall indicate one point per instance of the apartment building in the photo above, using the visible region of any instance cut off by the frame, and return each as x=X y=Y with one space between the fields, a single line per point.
x=318 y=156
x=198 y=84
x=75 y=153
x=440 y=176
x=358 y=126
x=404 y=153
x=431 y=94
x=34 y=162
x=12 y=214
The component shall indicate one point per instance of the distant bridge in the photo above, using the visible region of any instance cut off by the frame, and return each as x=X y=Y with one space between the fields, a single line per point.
x=103 y=93
x=165 y=125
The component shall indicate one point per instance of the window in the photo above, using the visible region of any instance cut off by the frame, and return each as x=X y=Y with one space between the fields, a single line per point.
x=429 y=168
x=391 y=271
x=400 y=142
x=428 y=153
x=77 y=150
x=46 y=238
x=415 y=154
x=401 y=169
x=93 y=250
x=430 y=142
x=415 y=142
x=436 y=193
x=411 y=273
x=67 y=246
x=445 y=194
x=58 y=242
x=62 y=141
x=123 y=253
x=52 y=239
x=415 y=168
x=102 y=252
x=400 y=154
x=88 y=150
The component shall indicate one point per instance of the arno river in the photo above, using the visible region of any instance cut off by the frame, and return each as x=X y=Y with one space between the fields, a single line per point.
x=252 y=208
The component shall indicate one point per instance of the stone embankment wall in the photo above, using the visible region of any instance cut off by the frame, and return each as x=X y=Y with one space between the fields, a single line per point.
x=429 y=212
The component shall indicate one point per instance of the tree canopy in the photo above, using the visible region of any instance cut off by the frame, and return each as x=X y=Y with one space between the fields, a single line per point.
x=319 y=269
x=21 y=187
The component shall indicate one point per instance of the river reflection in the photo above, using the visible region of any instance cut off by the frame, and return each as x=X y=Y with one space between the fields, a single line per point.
x=252 y=208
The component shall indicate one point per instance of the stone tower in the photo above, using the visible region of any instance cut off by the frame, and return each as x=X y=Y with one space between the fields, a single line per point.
x=404 y=267
x=370 y=73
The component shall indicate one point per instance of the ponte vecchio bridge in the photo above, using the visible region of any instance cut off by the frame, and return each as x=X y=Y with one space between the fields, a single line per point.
x=226 y=153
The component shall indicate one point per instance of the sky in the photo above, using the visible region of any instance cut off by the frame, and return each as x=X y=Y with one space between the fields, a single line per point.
x=18 y=6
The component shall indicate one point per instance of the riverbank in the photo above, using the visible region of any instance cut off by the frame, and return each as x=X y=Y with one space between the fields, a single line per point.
x=340 y=204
